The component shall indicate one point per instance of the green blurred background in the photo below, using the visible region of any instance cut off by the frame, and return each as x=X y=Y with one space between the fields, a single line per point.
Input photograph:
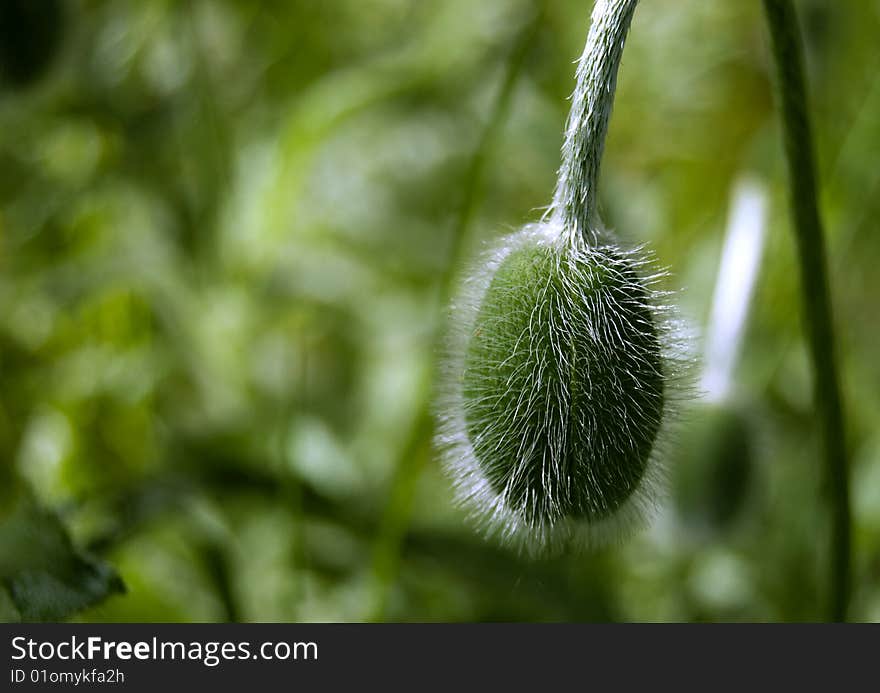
x=226 y=229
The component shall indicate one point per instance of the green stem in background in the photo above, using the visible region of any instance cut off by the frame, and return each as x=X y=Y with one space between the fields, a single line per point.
x=396 y=517
x=474 y=175
x=788 y=53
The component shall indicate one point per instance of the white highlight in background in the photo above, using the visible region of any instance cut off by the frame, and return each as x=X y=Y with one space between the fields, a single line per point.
x=734 y=287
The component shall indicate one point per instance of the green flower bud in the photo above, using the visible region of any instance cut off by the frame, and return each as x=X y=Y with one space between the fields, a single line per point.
x=558 y=388
x=713 y=467
x=564 y=349
x=563 y=363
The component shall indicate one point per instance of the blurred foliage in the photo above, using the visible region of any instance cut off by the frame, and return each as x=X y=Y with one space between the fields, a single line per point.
x=225 y=229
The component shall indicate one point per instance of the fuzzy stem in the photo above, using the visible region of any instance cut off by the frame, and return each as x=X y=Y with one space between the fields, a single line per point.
x=596 y=80
x=815 y=295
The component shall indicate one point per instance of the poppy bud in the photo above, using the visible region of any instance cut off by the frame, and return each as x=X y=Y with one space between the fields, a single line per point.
x=562 y=361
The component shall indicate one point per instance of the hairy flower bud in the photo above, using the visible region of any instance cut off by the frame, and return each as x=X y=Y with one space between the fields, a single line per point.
x=556 y=387
x=562 y=365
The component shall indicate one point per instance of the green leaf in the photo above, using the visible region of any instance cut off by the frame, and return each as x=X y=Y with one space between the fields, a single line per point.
x=43 y=576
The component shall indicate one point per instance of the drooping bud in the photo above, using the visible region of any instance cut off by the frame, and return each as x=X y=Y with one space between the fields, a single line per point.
x=560 y=366
x=557 y=388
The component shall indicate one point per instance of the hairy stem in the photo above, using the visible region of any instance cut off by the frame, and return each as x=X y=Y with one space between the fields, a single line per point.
x=815 y=295
x=596 y=81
